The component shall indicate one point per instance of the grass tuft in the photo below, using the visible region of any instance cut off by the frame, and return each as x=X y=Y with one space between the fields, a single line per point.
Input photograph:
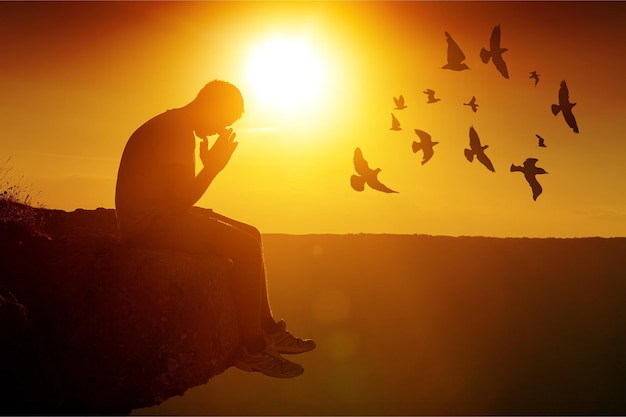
x=16 y=202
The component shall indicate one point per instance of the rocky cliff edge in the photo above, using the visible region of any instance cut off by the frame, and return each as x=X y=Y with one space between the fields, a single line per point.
x=91 y=326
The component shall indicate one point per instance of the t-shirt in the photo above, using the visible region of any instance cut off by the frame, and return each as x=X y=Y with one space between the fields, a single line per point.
x=141 y=195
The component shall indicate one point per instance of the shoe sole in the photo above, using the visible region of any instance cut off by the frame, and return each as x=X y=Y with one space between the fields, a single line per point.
x=290 y=351
x=248 y=368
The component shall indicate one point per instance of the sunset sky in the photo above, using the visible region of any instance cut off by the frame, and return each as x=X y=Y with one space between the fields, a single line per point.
x=78 y=78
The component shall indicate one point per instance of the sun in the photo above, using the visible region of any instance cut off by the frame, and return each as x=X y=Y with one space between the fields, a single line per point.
x=286 y=74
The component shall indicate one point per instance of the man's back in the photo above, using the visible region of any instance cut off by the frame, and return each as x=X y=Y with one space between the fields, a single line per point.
x=142 y=190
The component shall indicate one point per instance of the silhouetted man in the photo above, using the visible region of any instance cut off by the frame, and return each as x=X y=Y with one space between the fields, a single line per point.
x=156 y=190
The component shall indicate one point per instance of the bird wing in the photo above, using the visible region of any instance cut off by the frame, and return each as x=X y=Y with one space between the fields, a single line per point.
x=485 y=55
x=474 y=139
x=534 y=185
x=498 y=61
x=425 y=144
x=563 y=94
x=428 y=153
x=535 y=76
x=399 y=101
x=566 y=108
x=360 y=164
x=529 y=164
x=455 y=54
x=570 y=119
x=541 y=140
x=484 y=159
x=377 y=185
x=357 y=182
x=472 y=101
x=424 y=137
x=494 y=42
x=394 y=122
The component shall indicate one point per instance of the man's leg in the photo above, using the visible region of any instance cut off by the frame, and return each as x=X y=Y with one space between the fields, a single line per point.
x=277 y=335
x=195 y=233
x=268 y=322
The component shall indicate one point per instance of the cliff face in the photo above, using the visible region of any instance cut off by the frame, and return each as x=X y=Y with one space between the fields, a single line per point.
x=90 y=325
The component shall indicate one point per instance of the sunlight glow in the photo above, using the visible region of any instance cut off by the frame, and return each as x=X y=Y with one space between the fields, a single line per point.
x=286 y=74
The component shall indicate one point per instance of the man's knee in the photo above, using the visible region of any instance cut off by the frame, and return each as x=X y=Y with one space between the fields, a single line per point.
x=255 y=233
x=251 y=246
x=251 y=230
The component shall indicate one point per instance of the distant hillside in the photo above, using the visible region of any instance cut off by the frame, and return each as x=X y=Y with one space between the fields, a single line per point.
x=429 y=325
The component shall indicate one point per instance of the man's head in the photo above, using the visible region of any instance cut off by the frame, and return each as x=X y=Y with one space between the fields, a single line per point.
x=218 y=105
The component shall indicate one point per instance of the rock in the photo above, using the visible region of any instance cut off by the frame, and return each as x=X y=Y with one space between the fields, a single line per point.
x=102 y=328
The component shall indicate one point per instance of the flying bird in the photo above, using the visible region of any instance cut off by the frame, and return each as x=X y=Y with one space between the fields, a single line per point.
x=395 y=124
x=473 y=104
x=478 y=150
x=455 y=56
x=431 y=96
x=366 y=175
x=495 y=53
x=399 y=102
x=530 y=171
x=425 y=144
x=535 y=77
x=542 y=142
x=566 y=107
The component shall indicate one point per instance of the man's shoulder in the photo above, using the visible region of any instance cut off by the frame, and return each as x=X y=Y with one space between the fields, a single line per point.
x=167 y=115
x=162 y=122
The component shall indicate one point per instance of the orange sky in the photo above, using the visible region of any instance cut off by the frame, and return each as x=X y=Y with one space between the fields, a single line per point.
x=78 y=78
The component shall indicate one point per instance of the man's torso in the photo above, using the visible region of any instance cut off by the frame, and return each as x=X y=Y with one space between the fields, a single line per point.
x=141 y=196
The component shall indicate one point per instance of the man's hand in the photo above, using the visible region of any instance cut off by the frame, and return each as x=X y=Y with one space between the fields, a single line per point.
x=216 y=158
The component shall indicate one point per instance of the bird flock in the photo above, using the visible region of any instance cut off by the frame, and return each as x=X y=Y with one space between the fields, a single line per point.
x=476 y=150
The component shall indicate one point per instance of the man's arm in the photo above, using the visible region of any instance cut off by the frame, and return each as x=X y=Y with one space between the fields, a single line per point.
x=213 y=161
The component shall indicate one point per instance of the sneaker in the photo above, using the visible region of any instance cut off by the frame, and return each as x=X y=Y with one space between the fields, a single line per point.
x=282 y=341
x=268 y=363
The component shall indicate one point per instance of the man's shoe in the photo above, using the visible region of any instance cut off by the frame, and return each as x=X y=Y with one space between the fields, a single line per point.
x=282 y=341
x=268 y=363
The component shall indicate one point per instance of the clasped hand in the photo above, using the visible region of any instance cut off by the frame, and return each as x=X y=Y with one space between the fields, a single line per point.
x=216 y=158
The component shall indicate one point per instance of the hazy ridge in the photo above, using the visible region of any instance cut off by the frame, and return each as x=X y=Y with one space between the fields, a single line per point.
x=418 y=324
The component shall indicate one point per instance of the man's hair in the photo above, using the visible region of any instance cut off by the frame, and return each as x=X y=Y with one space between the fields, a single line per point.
x=221 y=96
